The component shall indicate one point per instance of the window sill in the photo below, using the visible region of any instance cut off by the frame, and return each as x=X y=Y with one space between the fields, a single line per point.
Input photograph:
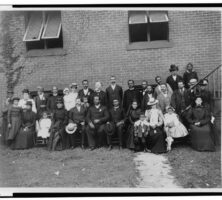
x=46 y=52
x=149 y=45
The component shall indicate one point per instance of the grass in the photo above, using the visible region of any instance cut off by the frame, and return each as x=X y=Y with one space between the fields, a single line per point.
x=38 y=167
x=194 y=169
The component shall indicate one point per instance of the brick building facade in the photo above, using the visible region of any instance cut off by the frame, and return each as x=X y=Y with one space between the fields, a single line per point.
x=96 y=45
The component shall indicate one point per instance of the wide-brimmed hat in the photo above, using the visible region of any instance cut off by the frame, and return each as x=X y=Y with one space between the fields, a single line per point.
x=110 y=128
x=203 y=82
x=71 y=128
x=152 y=101
x=73 y=85
x=173 y=68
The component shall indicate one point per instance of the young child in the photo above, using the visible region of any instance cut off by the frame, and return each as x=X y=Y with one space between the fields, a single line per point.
x=43 y=126
x=141 y=128
x=173 y=127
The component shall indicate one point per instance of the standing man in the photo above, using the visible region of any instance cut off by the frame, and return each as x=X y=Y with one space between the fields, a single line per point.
x=40 y=101
x=130 y=95
x=114 y=91
x=173 y=79
x=85 y=92
x=51 y=103
x=157 y=89
x=117 y=117
x=99 y=92
x=189 y=74
x=146 y=98
x=144 y=90
x=96 y=118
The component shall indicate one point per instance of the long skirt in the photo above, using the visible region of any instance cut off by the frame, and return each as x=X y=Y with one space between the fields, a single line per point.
x=201 y=138
x=24 y=139
x=156 y=140
x=13 y=131
x=130 y=139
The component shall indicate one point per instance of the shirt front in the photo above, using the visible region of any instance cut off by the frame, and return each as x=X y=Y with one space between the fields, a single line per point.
x=174 y=77
x=113 y=86
x=85 y=91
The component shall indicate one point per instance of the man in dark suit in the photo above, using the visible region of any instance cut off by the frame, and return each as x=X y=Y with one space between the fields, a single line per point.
x=40 y=101
x=173 y=79
x=114 y=91
x=99 y=92
x=144 y=90
x=117 y=117
x=96 y=118
x=77 y=115
x=189 y=74
x=51 y=103
x=130 y=95
x=85 y=92
x=149 y=94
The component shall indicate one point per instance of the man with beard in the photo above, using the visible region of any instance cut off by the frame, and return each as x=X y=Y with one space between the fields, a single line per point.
x=130 y=95
x=96 y=118
x=146 y=98
x=99 y=92
x=85 y=92
x=114 y=91
x=157 y=89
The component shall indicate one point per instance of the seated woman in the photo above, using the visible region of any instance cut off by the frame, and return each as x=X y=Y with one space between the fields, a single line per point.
x=43 y=126
x=58 y=137
x=133 y=115
x=173 y=127
x=26 y=136
x=156 y=136
x=199 y=118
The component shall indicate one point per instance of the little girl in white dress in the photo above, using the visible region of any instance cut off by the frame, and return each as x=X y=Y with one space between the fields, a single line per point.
x=173 y=127
x=43 y=126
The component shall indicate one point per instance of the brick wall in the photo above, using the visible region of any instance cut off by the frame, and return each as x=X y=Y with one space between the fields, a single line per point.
x=96 y=41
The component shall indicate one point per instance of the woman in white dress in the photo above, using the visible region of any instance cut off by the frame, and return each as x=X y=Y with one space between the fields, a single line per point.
x=43 y=126
x=173 y=127
x=70 y=96
x=25 y=99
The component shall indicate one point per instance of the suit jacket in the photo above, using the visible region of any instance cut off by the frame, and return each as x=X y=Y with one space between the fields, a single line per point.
x=117 y=115
x=40 y=103
x=145 y=100
x=51 y=103
x=102 y=96
x=172 y=83
x=129 y=96
x=88 y=95
x=180 y=100
x=76 y=116
x=187 y=76
x=111 y=94
x=100 y=113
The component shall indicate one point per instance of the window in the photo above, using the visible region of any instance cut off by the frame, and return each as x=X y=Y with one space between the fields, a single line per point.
x=150 y=27
x=44 y=30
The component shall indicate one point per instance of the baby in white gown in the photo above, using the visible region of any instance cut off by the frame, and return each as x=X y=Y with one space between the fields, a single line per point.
x=173 y=127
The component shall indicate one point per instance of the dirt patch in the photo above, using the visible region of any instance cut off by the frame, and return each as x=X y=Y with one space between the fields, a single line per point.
x=38 y=167
x=195 y=169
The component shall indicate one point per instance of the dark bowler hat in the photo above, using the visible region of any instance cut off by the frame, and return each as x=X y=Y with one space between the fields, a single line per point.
x=15 y=99
x=203 y=82
x=25 y=91
x=110 y=128
x=173 y=68
x=29 y=103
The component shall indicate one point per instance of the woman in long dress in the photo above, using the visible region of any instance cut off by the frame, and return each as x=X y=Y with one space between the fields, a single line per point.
x=133 y=115
x=173 y=127
x=199 y=118
x=14 y=121
x=25 y=139
x=156 y=136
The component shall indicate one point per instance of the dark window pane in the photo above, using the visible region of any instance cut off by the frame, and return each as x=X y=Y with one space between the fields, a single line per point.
x=138 y=32
x=55 y=43
x=35 y=45
x=159 y=31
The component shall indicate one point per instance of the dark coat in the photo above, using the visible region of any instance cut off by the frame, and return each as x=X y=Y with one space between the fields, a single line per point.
x=145 y=100
x=88 y=95
x=60 y=115
x=51 y=103
x=173 y=84
x=129 y=96
x=111 y=94
x=41 y=104
x=100 y=113
x=207 y=99
x=76 y=116
x=102 y=96
x=187 y=76
x=180 y=101
x=117 y=115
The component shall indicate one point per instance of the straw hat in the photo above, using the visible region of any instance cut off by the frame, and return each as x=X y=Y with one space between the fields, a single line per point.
x=71 y=128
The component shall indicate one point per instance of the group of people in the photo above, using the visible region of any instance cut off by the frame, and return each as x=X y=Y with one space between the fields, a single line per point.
x=143 y=120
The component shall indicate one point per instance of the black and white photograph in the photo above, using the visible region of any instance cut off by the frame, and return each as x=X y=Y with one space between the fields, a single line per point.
x=110 y=98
